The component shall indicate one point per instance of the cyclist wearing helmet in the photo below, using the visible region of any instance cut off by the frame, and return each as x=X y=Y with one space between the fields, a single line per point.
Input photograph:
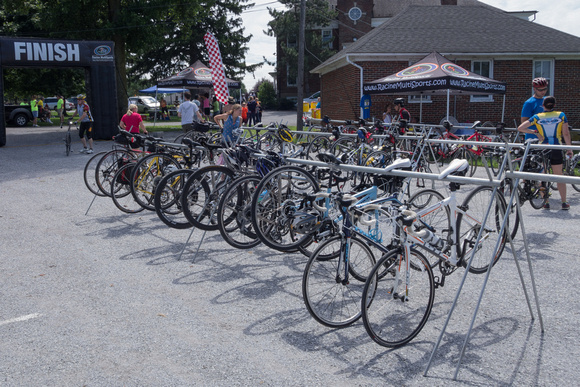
x=534 y=104
x=86 y=120
x=401 y=114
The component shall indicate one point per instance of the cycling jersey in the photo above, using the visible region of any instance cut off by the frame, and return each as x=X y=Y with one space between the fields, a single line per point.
x=549 y=125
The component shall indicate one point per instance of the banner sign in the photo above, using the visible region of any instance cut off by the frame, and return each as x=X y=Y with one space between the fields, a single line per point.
x=220 y=85
x=55 y=53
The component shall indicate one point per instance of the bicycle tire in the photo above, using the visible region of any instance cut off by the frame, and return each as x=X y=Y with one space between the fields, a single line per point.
x=514 y=217
x=201 y=194
x=388 y=320
x=108 y=166
x=121 y=190
x=574 y=170
x=319 y=144
x=475 y=205
x=270 y=142
x=167 y=199
x=281 y=190
x=147 y=174
x=67 y=142
x=89 y=174
x=539 y=193
x=234 y=213
x=331 y=299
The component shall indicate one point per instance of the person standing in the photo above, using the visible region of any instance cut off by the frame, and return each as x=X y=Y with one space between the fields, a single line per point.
x=244 y=113
x=534 y=104
x=132 y=122
x=550 y=128
x=229 y=122
x=34 y=109
x=164 y=110
x=215 y=106
x=206 y=105
x=86 y=124
x=259 y=111
x=402 y=115
x=59 y=109
x=251 y=111
x=187 y=111
x=387 y=118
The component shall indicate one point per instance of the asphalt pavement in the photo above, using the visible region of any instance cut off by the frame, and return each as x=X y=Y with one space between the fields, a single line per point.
x=92 y=296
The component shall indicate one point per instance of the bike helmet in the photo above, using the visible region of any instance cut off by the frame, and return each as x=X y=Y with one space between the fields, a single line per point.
x=326 y=119
x=362 y=133
x=540 y=82
x=81 y=96
x=305 y=223
x=399 y=101
x=285 y=134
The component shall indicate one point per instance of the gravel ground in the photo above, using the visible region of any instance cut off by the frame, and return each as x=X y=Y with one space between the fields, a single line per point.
x=102 y=299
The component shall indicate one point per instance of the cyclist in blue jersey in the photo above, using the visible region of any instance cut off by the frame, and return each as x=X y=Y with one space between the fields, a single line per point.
x=534 y=104
x=551 y=127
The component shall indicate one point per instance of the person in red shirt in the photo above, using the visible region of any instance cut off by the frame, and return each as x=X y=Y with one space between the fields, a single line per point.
x=244 y=113
x=132 y=121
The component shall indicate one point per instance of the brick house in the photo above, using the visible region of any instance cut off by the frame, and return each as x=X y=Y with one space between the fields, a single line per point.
x=477 y=37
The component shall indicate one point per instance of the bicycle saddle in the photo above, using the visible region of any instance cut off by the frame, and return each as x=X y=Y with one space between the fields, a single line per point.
x=398 y=164
x=326 y=157
x=456 y=167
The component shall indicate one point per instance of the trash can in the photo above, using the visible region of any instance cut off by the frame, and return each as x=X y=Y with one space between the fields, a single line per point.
x=305 y=107
x=313 y=105
x=316 y=113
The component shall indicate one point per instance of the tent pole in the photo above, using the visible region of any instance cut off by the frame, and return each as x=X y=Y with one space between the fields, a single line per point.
x=155 y=113
x=503 y=109
x=447 y=104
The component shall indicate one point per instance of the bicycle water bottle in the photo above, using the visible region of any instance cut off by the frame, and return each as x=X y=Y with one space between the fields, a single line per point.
x=433 y=240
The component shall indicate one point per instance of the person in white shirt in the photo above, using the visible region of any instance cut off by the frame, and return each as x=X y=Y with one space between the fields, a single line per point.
x=187 y=111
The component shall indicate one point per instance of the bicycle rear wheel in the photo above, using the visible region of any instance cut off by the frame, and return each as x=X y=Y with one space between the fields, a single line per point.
x=167 y=199
x=147 y=174
x=121 y=190
x=201 y=194
x=470 y=223
x=332 y=299
x=90 y=172
x=234 y=213
x=277 y=196
x=394 y=313
x=108 y=166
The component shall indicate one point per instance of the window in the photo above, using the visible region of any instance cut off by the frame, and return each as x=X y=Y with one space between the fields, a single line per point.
x=327 y=38
x=484 y=68
x=544 y=68
x=290 y=79
x=419 y=99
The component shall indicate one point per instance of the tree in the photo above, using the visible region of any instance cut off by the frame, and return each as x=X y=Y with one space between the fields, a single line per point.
x=284 y=27
x=267 y=95
x=154 y=38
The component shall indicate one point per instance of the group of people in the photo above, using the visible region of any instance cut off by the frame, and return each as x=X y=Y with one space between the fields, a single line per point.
x=539 y=119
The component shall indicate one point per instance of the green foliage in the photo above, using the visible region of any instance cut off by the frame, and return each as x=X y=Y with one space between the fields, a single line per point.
x=267 y=95
x=155 y=38
x=285 y=25
x=286 y=104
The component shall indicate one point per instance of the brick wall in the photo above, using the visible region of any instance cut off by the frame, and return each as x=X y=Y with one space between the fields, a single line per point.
x=341 y=96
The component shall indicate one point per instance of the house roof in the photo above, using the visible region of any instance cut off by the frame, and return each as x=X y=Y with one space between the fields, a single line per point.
x=455 y=30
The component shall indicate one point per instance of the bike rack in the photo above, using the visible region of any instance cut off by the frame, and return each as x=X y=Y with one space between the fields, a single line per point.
x=490 y=181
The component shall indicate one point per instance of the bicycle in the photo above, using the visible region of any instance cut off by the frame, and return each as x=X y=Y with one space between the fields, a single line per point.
x=68 y=137
x=398 y=294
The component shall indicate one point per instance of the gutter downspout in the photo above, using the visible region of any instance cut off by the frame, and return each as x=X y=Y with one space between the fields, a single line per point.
x=361 y=82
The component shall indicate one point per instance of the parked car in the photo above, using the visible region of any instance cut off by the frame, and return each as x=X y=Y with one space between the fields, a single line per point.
x=52 y=101
x=145 y=104
x=312 y=98
x=18 y=115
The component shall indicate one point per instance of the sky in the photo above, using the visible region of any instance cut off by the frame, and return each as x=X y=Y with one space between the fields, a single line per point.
x=563 y=15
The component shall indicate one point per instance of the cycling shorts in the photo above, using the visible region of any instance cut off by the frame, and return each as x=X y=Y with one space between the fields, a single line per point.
x=556 y=157
x=88 y=128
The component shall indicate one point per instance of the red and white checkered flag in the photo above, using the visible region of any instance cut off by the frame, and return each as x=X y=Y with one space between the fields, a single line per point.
x=220 y=86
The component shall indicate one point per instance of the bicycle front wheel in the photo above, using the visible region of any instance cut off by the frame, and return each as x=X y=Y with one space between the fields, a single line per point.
x=89 y=174
x=471 y=222
x=395 y=306
x=331 y=294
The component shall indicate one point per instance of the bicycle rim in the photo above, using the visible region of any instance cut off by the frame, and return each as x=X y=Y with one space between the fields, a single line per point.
x=394 y=313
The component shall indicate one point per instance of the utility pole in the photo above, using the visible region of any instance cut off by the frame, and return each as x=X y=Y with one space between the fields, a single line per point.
x=300 y=80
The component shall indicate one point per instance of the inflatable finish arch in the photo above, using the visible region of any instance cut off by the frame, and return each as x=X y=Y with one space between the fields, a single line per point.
x=96 y=57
